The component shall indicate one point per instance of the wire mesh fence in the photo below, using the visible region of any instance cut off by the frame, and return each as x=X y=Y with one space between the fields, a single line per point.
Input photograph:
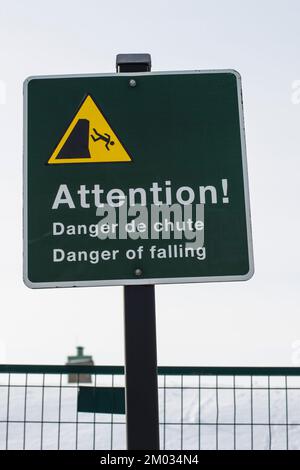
x=83 y=407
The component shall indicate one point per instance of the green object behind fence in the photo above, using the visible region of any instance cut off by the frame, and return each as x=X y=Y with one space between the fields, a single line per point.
x=109 y=400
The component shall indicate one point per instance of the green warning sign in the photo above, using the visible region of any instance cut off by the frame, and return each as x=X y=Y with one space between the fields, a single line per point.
x=135 y=185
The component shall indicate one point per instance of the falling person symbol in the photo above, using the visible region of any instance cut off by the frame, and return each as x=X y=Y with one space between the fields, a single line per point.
x=106 y=137
x=88 y=139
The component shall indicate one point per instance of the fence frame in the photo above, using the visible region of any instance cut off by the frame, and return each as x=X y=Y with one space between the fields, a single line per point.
x=167 y=370
x=181 y=372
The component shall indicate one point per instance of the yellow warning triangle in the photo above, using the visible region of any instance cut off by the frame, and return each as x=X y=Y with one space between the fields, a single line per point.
x=89 y=139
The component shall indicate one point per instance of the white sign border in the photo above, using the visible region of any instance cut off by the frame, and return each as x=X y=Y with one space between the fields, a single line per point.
x=126 y=282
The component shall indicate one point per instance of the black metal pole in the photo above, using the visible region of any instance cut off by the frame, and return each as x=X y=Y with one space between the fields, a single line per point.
x=141 y=368
x=142 y=419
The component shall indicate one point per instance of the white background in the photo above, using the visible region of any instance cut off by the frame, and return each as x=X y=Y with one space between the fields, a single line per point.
x=251 y=323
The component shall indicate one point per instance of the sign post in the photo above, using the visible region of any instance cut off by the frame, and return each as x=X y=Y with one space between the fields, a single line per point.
x=141 y=389
x=134 y=179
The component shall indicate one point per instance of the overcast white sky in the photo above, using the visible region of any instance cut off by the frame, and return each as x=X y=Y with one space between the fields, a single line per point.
x=251 y=323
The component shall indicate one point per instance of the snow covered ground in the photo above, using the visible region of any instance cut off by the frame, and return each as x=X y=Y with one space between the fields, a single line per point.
x=264 y=418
